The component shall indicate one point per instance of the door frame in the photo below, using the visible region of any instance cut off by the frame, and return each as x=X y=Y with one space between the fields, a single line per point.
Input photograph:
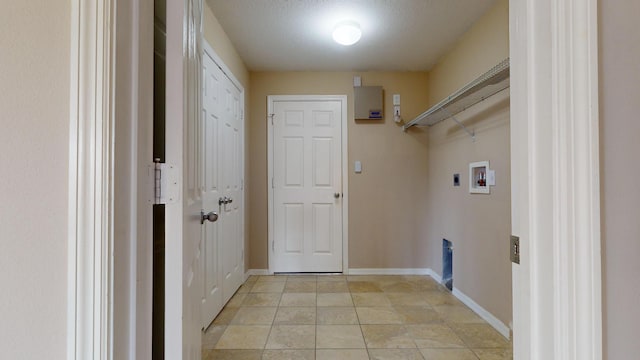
x=570 y=40
x=90 y=269
x=555 y=185
x=345 y=170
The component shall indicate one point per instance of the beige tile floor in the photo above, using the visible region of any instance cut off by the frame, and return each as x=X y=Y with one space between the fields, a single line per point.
x=338 y=317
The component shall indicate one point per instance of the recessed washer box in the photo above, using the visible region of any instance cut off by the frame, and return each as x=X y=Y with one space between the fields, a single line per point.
x=368 y=102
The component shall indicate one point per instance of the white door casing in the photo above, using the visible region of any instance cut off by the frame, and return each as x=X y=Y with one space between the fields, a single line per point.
x=307 y=157
x=557 y=312
x=91 y=153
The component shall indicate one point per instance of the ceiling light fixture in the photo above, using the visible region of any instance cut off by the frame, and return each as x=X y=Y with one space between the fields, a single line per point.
x=347 y=33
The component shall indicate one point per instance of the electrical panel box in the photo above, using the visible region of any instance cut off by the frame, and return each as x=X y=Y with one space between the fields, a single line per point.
x=368 y=102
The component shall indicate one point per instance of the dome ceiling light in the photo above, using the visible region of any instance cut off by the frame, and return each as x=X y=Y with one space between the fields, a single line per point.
x=347 y=33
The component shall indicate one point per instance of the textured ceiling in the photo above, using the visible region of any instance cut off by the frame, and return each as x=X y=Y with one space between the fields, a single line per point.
x=295 y=35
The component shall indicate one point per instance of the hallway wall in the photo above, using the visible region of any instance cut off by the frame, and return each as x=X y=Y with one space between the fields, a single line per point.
x=620 y=193
x=479 y=225
x=34 y=153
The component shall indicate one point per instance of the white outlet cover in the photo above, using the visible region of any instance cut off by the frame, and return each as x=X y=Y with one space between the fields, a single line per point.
x=491 y=178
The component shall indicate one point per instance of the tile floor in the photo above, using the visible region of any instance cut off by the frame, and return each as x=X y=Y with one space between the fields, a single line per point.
x=338 y=317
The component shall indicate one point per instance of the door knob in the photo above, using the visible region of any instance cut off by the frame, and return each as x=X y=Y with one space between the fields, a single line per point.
x=336 y=195
x=211 y=216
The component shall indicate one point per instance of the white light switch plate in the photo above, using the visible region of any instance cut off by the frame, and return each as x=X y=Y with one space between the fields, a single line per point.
x=357 y=167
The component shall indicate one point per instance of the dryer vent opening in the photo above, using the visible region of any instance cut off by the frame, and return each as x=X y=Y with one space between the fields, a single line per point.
x=447 y=264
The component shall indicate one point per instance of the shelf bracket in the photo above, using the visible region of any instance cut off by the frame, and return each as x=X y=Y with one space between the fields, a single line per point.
x=471 y=133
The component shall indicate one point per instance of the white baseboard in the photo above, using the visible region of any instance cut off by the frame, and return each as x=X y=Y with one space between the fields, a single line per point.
x=257 y=272
x=503 y=329
x=400 y=271
x=435 y=276
x=487 y=316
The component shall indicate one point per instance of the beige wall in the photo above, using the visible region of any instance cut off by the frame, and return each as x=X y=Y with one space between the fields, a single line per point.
x=478 y=225
x=34 y=153
x=478 y=50
x=620 y=170
x=219 y=41
x=387 y=200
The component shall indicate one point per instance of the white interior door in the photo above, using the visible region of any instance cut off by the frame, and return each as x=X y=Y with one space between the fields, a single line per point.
x=213 y=79
x=184 y=150
x=231 y=234
x=222 y=134
x=193 y=229
x=307 y=186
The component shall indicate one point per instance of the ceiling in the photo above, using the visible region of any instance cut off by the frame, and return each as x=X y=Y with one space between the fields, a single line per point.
x=295 y=35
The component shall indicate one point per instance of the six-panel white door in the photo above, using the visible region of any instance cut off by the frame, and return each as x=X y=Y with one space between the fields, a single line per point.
x=230 y=149
x=213 y=80
x=223 y=249
x=307 y=186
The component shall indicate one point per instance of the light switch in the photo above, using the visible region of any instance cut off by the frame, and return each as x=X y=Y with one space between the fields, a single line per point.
x=357 y=167
x=396 y=99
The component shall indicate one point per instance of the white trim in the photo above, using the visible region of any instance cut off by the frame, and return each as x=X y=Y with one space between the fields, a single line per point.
x=345 y=170
x=435 y=276
x=577 y=278
x=555 y=179
x=256 y=272
x=483 y=313
x=391 y=271
x=90 y=244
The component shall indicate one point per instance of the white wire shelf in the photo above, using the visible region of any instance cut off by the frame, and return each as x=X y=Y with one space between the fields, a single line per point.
x=486 y=85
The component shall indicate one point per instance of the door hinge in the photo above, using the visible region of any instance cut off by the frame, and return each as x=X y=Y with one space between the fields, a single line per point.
x=272 y=116
x=273 y=183
x=165 y=183
x=273 y=246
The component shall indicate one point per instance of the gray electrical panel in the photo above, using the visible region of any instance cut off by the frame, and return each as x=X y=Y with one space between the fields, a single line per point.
x=368 y=102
